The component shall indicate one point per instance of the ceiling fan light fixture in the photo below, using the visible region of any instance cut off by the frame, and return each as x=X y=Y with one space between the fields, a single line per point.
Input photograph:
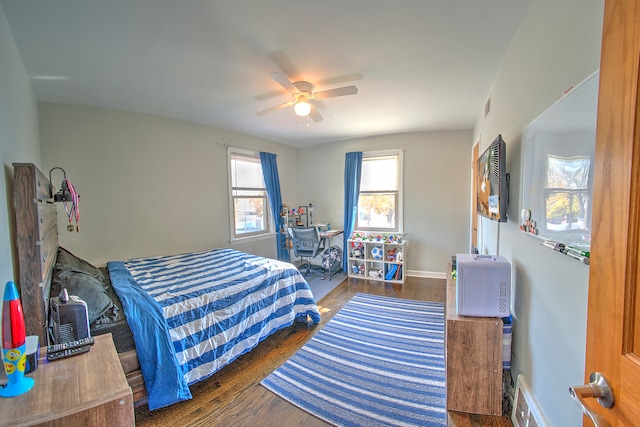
x=302 y=108
x=302 y=92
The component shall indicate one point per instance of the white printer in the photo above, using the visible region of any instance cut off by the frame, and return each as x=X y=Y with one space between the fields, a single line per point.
x=483 y=285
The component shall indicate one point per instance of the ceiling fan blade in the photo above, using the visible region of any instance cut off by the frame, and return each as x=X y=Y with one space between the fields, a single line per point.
x=285 y=65
x=277 y=107
x=317 y=103
x=315 y=115
x=332 y=81
x=284 y=82
x=341 y=91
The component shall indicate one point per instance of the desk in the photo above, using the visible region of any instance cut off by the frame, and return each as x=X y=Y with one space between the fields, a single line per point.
x=326 y=236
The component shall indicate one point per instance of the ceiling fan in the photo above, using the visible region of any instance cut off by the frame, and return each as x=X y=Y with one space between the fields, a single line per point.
x=303 y=96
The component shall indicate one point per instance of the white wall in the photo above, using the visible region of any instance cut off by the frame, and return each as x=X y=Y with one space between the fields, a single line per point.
x=18 y=140
x=437 y=172
x=18 y=143
x=557 y=46
x=148 y=185
x=152 y=185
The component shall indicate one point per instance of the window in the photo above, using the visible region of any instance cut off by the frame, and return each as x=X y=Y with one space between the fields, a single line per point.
x=567 y=193
x=380 y=201
x=249 y=202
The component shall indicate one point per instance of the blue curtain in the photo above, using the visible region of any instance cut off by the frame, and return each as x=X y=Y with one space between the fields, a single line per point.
x=270 y=173
x=352 y=172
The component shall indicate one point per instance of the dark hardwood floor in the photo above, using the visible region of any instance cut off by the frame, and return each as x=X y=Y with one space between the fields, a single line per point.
x=234 y=397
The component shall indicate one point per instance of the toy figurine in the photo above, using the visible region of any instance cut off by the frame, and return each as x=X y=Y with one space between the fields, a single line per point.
x=14 y=344
x=376 y=274
x=391 y=254
x=357 y=250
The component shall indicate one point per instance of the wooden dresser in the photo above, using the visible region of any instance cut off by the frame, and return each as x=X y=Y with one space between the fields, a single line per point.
x=89 y=389
x=473 y=358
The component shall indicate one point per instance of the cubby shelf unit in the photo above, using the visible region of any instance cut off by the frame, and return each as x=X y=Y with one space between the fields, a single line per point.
x=364 y=265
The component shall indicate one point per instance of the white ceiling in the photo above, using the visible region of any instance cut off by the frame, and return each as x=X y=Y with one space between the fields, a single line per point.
x=419 y=65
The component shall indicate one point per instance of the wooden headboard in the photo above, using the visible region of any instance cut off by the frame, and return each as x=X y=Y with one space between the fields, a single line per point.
x=37 y=240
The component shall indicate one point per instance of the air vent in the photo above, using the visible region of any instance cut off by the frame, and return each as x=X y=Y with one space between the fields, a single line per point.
x=487 y=107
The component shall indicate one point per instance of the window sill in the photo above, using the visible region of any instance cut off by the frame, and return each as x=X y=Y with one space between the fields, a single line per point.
x=249 y=239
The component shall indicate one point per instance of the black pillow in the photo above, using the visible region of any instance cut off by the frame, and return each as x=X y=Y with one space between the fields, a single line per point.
x=87 y=288
x=69 y=262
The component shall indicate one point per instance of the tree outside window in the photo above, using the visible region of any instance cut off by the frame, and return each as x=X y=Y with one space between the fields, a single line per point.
x=567 y=193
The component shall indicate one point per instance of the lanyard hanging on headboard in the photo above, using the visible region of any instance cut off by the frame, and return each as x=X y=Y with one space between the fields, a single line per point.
x=72 y=208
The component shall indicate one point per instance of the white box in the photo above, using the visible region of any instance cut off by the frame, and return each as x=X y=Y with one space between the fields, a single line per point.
x=483 y=285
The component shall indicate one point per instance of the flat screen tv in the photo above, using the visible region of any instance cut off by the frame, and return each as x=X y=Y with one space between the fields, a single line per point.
x=493 y=182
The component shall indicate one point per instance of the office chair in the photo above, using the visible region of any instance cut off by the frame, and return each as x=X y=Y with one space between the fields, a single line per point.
x=306 y=244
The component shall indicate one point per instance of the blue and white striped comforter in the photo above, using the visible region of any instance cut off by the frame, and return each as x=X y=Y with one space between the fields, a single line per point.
x=194 y=313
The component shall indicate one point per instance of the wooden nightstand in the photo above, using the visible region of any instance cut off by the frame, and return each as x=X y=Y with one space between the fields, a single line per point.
x=89 y=389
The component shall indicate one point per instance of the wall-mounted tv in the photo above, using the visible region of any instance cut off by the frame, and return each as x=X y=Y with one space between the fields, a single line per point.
x=493 y=182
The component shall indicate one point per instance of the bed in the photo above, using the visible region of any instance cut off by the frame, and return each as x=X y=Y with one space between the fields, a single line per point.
x=175 y=319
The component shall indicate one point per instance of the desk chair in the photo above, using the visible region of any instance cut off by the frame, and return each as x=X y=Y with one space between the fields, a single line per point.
x=306 y=244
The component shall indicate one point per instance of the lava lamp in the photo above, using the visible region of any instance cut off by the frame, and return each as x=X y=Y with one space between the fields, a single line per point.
x=14 y=344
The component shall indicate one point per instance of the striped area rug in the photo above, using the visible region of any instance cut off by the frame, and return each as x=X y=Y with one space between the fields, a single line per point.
x=378 y=362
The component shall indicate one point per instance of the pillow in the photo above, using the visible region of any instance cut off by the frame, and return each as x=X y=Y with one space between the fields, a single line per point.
x=67 y=261
x=112 y=315
x=87 y=288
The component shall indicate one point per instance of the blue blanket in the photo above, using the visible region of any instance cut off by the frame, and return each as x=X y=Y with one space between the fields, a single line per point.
x=192 y=314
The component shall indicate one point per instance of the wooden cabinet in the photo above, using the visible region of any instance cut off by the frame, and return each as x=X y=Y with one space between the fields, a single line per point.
x=377 y=260
x=473 y=359
x=89 y=389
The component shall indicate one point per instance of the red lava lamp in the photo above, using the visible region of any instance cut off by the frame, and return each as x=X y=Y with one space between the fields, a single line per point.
x=14 y=344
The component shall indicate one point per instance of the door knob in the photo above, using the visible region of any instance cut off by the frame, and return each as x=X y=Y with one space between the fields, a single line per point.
x=598 y=388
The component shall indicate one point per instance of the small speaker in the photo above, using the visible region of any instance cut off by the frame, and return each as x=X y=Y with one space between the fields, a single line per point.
x=69 y=320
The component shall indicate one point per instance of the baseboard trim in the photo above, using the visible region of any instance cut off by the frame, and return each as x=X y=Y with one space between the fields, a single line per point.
x=427 y=274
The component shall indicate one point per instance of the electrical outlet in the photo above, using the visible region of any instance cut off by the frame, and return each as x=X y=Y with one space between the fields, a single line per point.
x=520 y=415
x=526 y=411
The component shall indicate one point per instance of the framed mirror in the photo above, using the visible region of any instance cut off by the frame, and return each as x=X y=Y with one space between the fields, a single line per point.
x=557 y=183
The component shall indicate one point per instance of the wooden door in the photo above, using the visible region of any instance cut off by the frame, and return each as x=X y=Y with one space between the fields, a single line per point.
x=613 y=326
x=474 y=199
